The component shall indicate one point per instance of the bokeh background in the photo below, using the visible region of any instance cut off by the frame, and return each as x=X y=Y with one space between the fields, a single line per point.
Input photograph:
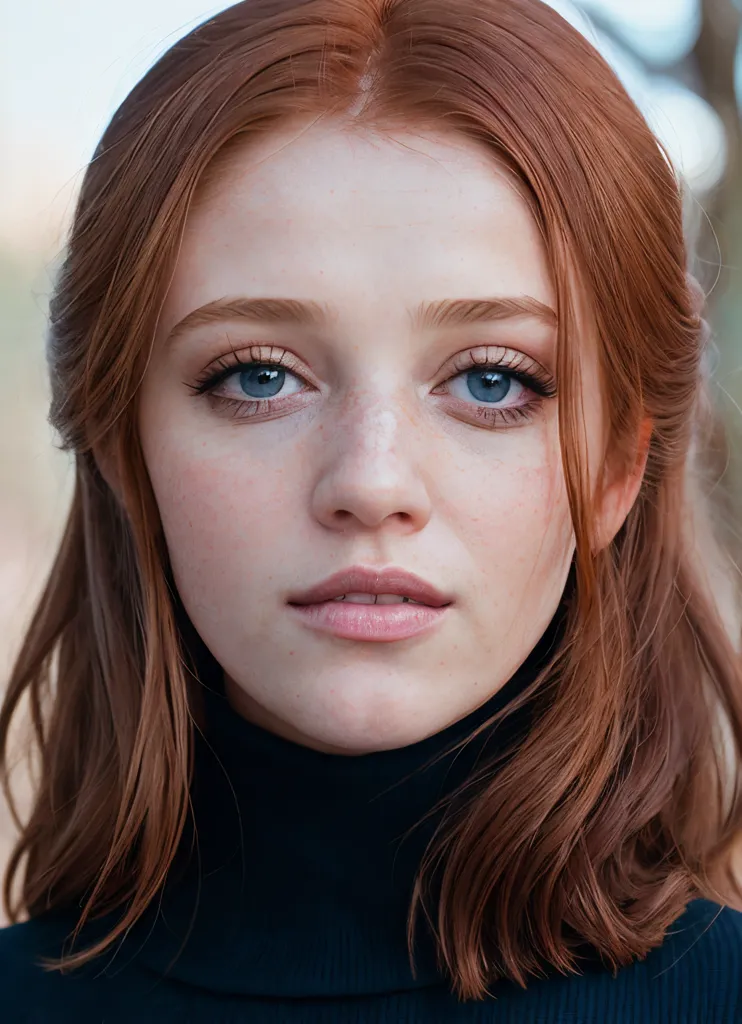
x=65 y=65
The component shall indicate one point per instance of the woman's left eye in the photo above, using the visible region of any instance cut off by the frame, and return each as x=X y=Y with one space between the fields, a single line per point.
x=487 y=386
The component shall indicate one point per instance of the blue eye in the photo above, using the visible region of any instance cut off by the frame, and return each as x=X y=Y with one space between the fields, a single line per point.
x=261 y=381
x=486 y=385
x=255 y=382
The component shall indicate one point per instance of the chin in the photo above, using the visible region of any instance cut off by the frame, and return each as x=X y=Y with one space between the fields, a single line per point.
x=365 y=732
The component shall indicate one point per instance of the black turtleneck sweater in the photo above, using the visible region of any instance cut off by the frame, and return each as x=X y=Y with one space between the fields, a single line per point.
x=297 y=911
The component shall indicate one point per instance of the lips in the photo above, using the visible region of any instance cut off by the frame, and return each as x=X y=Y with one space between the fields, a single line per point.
x=361 y=579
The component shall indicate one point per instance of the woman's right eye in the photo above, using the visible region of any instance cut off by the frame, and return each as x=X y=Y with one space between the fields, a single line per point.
x=256 y=382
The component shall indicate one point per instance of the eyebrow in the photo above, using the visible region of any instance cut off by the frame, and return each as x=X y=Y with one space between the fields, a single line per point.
x=309 y=313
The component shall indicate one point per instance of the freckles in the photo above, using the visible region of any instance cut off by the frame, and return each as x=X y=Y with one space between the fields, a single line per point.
x=221 y=481
x=191 y=478
x=546 y=516
x=519 y=509
x=531 y=490
x=184 y=509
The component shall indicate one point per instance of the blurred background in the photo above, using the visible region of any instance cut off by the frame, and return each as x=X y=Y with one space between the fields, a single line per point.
x=65 y=65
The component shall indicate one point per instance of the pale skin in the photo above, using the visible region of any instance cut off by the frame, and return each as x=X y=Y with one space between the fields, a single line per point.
x=374 y=450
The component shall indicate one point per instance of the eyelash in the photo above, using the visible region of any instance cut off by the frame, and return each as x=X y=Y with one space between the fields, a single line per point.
x=535 y=379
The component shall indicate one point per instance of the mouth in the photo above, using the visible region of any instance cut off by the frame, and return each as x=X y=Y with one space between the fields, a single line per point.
x=366 y=603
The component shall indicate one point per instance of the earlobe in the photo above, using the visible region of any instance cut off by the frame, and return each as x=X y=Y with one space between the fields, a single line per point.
x=621 y=491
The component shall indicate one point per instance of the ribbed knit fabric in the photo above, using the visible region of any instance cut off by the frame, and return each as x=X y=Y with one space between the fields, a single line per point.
x=296 y=912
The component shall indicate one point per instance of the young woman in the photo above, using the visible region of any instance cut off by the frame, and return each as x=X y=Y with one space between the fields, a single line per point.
x=388 y=667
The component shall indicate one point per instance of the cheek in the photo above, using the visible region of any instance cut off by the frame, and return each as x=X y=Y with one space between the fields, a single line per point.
x=519 y=496
x=520 y=539
x=225 y=519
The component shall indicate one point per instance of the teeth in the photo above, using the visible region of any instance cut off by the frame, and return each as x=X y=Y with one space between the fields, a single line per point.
x=376 y=599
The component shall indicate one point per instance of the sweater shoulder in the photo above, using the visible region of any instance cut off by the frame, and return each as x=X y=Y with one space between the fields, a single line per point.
x=696 y=974
x=708 y=929
x=22 y=945
x=693 y=977
x=32 y=993
x=25 y=985
x=29 y=988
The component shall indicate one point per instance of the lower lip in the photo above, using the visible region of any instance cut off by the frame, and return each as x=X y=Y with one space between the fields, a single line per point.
x=376 y=622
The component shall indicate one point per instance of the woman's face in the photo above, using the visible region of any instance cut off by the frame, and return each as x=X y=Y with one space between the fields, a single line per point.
x=388 y=436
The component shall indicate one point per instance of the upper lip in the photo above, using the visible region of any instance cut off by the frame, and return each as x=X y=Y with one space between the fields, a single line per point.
x=361 y=580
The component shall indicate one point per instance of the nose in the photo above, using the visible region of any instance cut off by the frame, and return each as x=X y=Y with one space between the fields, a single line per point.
x=372 y=474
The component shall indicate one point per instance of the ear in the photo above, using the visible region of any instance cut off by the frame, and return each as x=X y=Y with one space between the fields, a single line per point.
x=620 y=489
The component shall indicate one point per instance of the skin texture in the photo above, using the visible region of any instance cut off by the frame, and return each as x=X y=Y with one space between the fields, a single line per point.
x=377 y=455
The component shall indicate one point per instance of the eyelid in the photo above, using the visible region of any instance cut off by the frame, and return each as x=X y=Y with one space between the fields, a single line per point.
x=224 y=366
x=528 y=371
x=496 y=355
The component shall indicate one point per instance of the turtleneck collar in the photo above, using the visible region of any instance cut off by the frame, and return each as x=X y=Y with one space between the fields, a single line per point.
x=307 y=859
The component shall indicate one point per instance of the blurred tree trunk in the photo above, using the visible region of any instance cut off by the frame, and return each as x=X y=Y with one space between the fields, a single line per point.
x=719 y=252
x=714 y=57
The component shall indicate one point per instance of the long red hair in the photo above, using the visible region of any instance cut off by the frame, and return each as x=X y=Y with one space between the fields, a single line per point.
x=632 y=800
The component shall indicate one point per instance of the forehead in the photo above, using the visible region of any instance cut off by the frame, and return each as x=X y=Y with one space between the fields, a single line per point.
x=314 y=156
x=324 y=211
